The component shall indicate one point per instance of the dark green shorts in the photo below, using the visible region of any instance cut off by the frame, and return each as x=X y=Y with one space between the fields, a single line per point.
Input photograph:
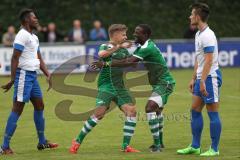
x=120 y=97
x=162 y=90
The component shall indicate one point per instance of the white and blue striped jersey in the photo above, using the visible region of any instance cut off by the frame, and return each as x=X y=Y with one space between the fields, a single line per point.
x=205 y=43
x=28 y=44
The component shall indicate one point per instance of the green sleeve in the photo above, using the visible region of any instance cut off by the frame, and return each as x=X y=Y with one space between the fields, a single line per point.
x=141 y=53
x=103 y=47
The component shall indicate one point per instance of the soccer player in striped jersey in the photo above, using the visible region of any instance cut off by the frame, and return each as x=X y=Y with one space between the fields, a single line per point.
x=205 y=83
x=25 y=61
x=111 y=88
x=159 y=78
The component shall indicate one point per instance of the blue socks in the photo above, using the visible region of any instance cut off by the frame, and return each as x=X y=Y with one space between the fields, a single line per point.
x=215 y=129
x=197 y=127
x=40 y=125
x=10 y=128
x=12 y=125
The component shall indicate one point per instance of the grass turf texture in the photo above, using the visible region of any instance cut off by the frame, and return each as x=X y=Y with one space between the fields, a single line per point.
x=105 y=140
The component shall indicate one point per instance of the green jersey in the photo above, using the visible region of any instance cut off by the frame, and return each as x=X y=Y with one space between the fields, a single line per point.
x=112 y=76
x=158 y=72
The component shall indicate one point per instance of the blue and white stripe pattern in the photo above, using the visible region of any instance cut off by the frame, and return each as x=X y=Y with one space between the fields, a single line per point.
x=26 y=86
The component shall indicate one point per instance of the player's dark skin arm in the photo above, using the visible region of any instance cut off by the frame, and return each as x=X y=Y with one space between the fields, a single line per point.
x=44 y=69
x=14 y=65
x=127 y=62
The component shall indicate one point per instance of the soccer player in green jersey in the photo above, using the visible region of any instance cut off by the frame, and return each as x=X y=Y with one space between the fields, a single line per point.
x=111 y=88
x=159 y=77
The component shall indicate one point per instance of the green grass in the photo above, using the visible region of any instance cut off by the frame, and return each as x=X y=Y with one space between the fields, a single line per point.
x=105 y=140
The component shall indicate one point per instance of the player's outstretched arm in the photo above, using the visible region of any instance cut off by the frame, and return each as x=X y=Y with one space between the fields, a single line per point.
x=127 y=62
x=14 y=65
x=44 y=69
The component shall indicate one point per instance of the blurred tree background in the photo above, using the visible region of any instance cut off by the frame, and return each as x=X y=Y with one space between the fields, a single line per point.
x=168 y=18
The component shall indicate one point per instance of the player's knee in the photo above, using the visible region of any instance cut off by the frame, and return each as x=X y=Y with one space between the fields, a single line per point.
x=39 y=108
x=99 y=116
x=99 y=113
x=149 y=109
x=18 y=107
x=131 y=111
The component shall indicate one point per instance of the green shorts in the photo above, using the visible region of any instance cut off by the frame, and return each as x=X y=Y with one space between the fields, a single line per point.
x=163 y=91
x=106 y=95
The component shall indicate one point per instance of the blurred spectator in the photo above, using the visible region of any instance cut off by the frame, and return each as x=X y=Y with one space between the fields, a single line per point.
x=51 y=34
x=98 y=33
x=1 y=31
x=77 y=34
x=190 y=32
x=9 y=36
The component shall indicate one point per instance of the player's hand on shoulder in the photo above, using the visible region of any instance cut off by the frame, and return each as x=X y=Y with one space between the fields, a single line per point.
x=8 y=86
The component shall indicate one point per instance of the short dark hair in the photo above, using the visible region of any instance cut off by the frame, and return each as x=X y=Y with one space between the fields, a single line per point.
x=116 y=27
x=146 y=29
x=24 y=13
x=202 y=10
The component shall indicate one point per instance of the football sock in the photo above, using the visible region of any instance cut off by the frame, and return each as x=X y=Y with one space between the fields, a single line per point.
x=154 y=126
x=40 y=125
x=88 y=126
x=10 y=128
x=128 y=130
x=197 y=127
x=160 y=119
x=215 y=129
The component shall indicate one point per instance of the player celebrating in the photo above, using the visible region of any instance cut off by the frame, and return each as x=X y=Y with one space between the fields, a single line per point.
x=111 y=88
x=205 y=83
x=25 y=61
x=159 y=78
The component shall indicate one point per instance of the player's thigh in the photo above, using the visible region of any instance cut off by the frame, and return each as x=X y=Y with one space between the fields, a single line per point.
x=155 y=103
x=36 y=92
x=104 y=98
x=22 y=86
x=213 y=107
x=197 y=103
x=212 y=99
x=100 y=111
x=213 y=88
x=197 y=97
x=124 y=100
x=37 y=103
x=161 y=94
x=18 y=107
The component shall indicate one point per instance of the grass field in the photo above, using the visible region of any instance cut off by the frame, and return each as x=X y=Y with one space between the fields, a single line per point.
x=105 y=140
